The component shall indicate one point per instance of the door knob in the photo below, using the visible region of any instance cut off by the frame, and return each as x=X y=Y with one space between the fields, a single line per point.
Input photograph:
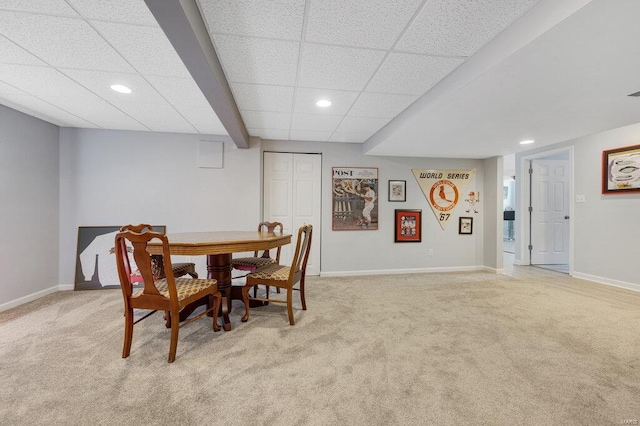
x=566 y=217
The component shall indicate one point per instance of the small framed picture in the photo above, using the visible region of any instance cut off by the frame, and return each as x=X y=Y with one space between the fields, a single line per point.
x=621 y=170
x=397 y=190
x=408 y=227
x=465 y=226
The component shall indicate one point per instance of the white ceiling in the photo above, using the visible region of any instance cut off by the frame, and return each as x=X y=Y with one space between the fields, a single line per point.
x=434 y=78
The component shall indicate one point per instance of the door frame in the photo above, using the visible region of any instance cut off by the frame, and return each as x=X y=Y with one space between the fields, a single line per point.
x=523 y=184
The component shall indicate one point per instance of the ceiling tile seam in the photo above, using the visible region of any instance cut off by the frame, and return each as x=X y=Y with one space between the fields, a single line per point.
x=59 y=70
x=100 y=97
x=107 y=20
x=111 y=46
x=143 y=76
x=25 y=12
x=303 y=35
x=387 y=53
x=56 y=107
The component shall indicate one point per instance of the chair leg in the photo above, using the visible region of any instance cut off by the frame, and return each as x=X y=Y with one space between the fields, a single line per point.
x=217 y=301
x=128 y=332
x=290 y=305
x=302 y=299
x=245 y=299
x=175 y=327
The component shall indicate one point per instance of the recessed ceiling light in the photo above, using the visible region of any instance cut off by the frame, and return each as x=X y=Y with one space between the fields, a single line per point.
x=323 y=103
x=527 y=142
x=120 y=88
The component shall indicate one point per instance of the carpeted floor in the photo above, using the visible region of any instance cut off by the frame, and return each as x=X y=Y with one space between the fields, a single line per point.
x=536 y=348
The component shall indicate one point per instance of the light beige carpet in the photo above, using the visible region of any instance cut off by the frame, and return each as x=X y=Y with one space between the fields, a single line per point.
x=429 y=349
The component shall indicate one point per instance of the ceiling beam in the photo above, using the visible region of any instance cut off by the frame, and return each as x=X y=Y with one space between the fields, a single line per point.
x=182 y=23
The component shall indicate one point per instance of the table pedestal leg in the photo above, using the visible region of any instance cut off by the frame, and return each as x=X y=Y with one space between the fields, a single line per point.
x=219 y=268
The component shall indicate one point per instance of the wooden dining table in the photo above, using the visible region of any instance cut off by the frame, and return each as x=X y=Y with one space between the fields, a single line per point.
x=219 y=246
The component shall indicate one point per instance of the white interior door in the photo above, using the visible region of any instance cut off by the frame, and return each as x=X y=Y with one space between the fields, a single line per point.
x=550 y=212
x=292 y=195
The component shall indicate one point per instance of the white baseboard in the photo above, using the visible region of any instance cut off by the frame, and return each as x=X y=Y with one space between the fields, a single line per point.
x=33 y=296
x=402 y=271
x=607 y=281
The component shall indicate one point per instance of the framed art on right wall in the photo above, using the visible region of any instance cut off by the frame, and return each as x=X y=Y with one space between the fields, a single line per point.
x=621 y=170
x=465 y=226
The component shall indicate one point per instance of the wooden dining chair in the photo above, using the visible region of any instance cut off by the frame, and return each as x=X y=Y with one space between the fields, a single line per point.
x=178 y=269
x=281 y=276
x=254 y=262
x=169 y=294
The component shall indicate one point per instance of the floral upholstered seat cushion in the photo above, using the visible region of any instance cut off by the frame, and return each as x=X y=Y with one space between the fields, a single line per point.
x=271 y=272
x=251 y=263
x=184 y=286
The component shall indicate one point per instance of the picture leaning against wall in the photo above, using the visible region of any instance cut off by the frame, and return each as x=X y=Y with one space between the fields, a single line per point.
x=355 y=198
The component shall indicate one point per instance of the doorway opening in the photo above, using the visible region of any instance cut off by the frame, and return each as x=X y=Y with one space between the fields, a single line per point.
x=547 y=230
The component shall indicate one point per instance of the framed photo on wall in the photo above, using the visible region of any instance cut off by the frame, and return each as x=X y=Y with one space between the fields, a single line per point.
x=621 y=170
x=465 y=226
x=397 y=190
x=408 y=226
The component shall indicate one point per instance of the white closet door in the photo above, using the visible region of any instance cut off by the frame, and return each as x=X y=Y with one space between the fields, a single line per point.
x=292 y=195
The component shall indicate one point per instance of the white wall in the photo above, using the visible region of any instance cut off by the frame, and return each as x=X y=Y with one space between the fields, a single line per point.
x=118 y=177
x=29 y=207
x=605 y=225
x=347 y=252
x=492 y=207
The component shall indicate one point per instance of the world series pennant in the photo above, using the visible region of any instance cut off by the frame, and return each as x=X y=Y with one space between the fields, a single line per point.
x=443 y=189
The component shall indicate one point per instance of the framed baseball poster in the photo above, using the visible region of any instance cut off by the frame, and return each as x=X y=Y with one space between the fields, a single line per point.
x=408 y=226
x=355 y=201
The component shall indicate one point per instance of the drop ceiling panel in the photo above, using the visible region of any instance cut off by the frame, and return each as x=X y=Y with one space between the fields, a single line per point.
x=53 y=7
x=341 y=101
x=460 y=28
x=359 y=23
x=266 y=119
x=147 y=49
x=256 y=18
x=179 y=91
x=250 y=60
x=43 y=110
x=50 y=38
x=99 y=82
x=125 y=11
x=381 y=105
x=403 y=73
x=14 y=54
x=349 y=137
x=92 y=109
x=262 y=97
x=269 y=133
x=42 y=82
x=307 y=135
x=203 y=119
x=315 y=122
x=333 y=67
x=361 y=125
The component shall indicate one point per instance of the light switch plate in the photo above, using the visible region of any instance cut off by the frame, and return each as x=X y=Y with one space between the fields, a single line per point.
x=580 y=199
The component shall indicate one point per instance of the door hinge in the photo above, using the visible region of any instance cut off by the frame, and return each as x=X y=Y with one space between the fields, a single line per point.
x=530 y=209
x=530 y=247
x=531 y=171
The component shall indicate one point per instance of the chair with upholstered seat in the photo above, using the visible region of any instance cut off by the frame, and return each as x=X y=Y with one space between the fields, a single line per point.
x=178 y=269
x=169 y=294
x=254 y=262
x=281 y=276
